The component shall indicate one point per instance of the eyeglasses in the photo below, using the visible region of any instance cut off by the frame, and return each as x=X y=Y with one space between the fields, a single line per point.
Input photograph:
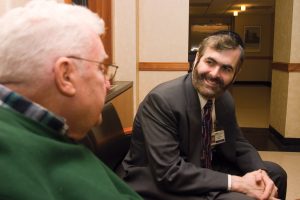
x=108 y=70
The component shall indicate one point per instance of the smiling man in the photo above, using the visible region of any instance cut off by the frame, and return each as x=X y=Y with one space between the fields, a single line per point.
x=186 y=142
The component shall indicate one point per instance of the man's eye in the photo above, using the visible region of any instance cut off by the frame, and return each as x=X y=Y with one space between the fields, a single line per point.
x=227 y=69
x=101 y=67
x=210 y=62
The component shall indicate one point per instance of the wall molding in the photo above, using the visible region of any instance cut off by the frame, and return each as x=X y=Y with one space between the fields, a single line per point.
x=268 y=139
x=285 y=144
x=253 y=83
x=163 y=66
x=286 y=67
x=184 y=66
x=258 y=57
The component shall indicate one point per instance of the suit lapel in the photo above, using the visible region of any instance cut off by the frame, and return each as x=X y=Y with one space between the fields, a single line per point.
x=223 y=123
x=194 y=121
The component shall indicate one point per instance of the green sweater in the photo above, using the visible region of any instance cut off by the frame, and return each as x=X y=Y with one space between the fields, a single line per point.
x=35 y=163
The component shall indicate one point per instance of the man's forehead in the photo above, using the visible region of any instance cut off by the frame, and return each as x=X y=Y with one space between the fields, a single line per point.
x=101 y=50
x=223 y=57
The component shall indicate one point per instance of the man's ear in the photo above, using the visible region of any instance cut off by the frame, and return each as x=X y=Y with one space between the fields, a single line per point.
x=65 y=74
x=235 y=75
x=239 y=69
x=195 y=60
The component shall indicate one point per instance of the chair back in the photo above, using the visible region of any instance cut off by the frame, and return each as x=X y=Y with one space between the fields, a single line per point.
x=108 y=140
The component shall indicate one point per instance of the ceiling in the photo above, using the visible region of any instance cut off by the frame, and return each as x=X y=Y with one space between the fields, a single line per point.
x=208 y=8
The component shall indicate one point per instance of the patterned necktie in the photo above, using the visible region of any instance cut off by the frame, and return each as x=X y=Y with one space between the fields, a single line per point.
x=206 y=135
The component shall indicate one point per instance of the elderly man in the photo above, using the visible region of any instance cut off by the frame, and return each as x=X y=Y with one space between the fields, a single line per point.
x=52 y=91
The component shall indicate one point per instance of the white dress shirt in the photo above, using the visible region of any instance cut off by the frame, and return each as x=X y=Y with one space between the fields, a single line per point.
x=202 y=104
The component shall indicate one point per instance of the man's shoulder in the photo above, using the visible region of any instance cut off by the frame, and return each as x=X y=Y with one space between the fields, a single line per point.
x=171 y=86
x=226 y=98
x=225 y=105
x=174 y=93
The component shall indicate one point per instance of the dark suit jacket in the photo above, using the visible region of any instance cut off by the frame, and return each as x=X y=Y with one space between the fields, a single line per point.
x=164 y=157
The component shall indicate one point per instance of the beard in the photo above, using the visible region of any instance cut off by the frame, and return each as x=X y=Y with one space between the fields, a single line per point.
x=209 y=91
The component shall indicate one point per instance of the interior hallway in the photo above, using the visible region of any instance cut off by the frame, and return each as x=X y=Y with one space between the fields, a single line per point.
x=252 y=107
x=290 y=161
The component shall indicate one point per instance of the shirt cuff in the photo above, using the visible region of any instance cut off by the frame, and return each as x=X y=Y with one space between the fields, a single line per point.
x=229 y=182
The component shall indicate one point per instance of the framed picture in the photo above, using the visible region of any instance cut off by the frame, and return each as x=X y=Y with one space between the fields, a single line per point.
x=252 y=38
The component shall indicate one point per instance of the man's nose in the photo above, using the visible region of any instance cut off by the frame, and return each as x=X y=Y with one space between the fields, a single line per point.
x=215 y=72
x=107 y=84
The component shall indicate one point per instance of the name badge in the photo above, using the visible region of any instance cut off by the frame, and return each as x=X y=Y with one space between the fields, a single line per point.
x=217 y=137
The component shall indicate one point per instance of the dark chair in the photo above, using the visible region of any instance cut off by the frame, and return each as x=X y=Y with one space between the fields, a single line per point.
x=191 y=59
x=108 y=140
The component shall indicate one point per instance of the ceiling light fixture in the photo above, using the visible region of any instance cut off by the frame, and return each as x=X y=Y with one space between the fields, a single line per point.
x=235 y=13
x=243 y=7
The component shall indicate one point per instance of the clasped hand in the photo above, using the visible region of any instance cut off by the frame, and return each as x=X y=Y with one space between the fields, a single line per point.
x=256 y=184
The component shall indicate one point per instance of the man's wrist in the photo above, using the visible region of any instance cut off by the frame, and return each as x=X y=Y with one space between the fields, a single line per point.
x=236 y=183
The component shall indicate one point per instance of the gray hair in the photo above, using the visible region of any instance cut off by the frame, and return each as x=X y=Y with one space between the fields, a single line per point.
x=33 y=37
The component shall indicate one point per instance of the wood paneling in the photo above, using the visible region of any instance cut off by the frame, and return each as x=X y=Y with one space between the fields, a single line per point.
x=103 y=9
x=287 y=67
x=68 y=1
x=163 y=66
x=258 y=57
x=124 y=106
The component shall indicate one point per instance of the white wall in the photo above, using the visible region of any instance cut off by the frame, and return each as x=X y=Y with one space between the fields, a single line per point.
x=149 y=31
x=125 y=40
x=163 y=37
x=285 y=104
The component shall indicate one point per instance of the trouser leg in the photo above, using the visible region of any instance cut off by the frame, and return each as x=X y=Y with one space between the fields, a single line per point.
x=233 y=196
x=279 y=177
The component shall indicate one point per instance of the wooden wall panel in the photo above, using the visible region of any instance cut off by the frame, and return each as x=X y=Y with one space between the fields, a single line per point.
x=287 y=67
x=103 y=9
x=124 y=106
x=163 y=66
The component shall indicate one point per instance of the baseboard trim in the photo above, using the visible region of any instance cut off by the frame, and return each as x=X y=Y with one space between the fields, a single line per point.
x=279 y=143
x=283 y=140
x=253 y=83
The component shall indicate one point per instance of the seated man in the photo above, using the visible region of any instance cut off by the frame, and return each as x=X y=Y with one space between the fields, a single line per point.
x=52 y=91
x=186 y=143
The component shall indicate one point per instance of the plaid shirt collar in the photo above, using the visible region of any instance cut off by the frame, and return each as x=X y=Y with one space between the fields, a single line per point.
x=20 y=104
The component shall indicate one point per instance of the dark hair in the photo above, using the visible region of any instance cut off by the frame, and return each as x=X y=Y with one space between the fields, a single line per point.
x=233 y=35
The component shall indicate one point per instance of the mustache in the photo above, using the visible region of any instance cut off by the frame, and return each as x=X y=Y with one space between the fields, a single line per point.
x=216 y=80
